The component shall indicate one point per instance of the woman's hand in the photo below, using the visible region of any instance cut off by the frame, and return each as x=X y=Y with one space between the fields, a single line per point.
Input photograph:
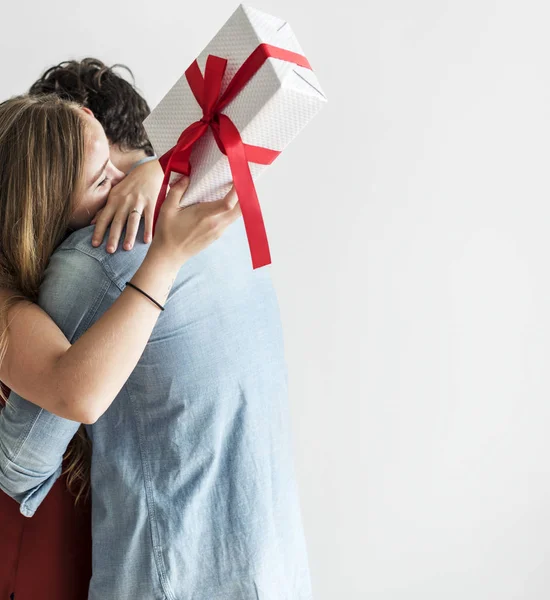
x=183 y=232
x=138 y=190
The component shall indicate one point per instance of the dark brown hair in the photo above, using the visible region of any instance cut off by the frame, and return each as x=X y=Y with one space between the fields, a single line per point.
x=115 y=102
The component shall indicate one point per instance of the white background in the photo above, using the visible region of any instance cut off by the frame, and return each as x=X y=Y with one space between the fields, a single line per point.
x=408 y=226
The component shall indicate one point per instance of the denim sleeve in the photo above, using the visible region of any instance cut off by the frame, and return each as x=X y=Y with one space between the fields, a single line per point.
x=32 y=440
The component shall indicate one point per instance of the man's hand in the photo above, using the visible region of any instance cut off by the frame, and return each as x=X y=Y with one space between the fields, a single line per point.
x=137 y=190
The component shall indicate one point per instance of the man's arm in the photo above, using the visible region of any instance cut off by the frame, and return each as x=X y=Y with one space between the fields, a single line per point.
x=76 y=291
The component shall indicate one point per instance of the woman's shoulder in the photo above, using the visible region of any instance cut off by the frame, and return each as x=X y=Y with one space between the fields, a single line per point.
x=15 y=297
x=12 y=303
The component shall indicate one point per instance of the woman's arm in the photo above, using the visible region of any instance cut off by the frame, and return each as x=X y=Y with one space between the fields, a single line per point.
x=79 y=382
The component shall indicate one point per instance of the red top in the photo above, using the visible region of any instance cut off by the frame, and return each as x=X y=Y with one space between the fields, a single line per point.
x=47 y=556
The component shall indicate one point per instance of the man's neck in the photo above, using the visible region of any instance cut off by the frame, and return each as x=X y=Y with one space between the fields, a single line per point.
x=124 y=159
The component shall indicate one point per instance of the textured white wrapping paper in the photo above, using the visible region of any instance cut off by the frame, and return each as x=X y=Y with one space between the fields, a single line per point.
x=270 y=111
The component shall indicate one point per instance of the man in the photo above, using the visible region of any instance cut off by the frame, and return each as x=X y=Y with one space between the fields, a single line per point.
x=193 y=486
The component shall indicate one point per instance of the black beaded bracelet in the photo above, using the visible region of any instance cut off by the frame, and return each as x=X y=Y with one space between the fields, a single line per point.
x=145 y=294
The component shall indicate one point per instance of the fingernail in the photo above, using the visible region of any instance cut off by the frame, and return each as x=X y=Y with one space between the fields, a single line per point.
x=110 y=249
x=95 y=242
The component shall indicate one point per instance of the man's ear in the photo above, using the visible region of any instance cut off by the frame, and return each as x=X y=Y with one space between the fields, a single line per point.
x=87 y=110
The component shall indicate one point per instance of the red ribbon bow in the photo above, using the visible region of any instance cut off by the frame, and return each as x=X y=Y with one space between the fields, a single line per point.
x=207 y=91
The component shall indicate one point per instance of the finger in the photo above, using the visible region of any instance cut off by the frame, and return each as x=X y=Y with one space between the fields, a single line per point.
x=232 y=214
x=226 y=203
x=148 y=229
x=116 y=229
x=132 y=227
x=102 y=222
x=95 y=216
x=176 y=192
x=236 y=211
x=231 y=198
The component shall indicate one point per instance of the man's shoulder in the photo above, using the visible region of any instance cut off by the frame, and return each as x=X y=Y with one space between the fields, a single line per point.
x=118 y=266
x=81 y=282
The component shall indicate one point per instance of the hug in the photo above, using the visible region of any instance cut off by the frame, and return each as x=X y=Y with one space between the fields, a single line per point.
x=145 y=445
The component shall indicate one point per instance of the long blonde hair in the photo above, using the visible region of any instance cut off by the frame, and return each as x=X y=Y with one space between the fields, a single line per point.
x=42 y=144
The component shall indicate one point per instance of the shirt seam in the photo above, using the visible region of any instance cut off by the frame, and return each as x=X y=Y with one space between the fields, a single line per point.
x=108 y=270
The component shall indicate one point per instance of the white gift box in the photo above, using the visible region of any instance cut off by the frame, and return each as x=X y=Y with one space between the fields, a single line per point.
x=279 y=100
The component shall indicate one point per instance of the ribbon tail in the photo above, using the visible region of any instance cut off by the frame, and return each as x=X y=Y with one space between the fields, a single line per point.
x=246 y=192
x=163 y=188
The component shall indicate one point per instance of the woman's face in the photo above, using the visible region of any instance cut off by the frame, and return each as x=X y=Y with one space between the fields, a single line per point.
x=100 y=175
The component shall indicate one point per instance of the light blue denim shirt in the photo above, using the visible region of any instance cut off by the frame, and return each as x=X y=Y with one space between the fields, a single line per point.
x=193 y=486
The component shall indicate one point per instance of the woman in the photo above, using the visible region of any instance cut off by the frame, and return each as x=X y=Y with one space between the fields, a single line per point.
x=52 y=551
x=58 y=190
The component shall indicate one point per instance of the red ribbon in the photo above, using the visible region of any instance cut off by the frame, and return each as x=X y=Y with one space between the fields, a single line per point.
x=207 y=91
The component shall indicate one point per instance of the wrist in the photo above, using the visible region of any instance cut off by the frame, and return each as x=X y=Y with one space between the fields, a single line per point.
x=162 y=256
x=156 y=275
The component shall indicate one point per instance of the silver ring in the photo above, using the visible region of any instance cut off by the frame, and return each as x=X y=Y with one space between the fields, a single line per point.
x=136 y=210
